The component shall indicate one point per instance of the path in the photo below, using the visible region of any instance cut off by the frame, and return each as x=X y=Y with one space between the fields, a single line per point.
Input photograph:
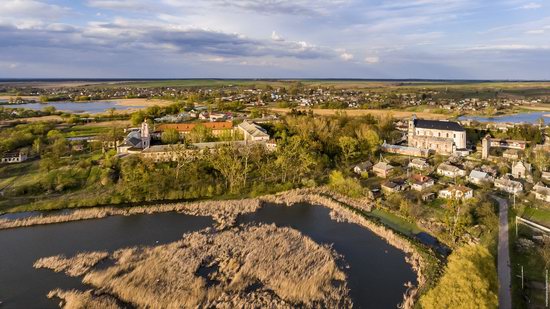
x=504 y=277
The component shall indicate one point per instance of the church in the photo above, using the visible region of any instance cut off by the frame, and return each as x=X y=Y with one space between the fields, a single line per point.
x=136 y=140
x=443 y=137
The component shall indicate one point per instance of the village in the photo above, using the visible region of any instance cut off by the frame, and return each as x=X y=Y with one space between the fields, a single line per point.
x=434 y=179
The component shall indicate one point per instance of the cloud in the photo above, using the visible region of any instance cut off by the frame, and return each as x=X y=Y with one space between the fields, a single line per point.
x=372 y=59
x=531 y=6
x=272 y=7
x=276 y=37
x=346 y=56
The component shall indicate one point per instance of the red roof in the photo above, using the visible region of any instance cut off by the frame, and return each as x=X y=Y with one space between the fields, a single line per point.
x=186 y=127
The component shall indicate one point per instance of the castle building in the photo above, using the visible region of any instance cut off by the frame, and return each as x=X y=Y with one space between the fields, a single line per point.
x=443 y=137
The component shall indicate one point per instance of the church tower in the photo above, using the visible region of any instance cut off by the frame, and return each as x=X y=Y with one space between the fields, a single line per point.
x=410 y=135
x=145 y=135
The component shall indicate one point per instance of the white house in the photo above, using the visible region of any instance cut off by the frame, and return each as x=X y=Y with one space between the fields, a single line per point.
x=457 y=193
x=421 y=182
x=479 y=177
x=419 y=164
x=363 y=167
x=521 y=170
x=507 y=185
x=445 y=169
x=541 y=192
x=253 y=132
x=14 y=157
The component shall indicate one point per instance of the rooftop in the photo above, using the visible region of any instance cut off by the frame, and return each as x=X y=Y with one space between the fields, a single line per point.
x=438 y=125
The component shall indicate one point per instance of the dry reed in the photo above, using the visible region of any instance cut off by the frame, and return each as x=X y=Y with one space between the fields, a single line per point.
x=250 y=266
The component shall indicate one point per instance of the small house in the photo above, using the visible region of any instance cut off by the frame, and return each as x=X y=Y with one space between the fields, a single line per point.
x=520 y=169
x=541 y=192
x=419 y=164
x=479 y=177
x=508 y=185
x=382 y=169
x=448 y=170
x=396 y=185
x=458 y=192
x=363 y=167
x=421 y=182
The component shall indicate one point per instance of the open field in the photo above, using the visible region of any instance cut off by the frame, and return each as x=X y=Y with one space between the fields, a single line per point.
x=247 y=266
x=364 y=112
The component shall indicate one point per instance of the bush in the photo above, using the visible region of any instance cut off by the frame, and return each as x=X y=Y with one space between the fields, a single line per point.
x=345 y=185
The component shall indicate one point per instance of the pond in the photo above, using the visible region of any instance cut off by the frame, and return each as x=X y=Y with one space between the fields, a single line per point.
x=532 y=118
x=75 y=107
x=376 y=275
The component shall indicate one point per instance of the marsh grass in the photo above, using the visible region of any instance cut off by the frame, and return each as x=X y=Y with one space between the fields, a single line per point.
x=252 y=267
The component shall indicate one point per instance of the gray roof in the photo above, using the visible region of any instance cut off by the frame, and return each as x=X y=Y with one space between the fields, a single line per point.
x=438 y=125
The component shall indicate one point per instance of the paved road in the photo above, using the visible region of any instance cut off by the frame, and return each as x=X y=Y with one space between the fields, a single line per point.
x=504 y=277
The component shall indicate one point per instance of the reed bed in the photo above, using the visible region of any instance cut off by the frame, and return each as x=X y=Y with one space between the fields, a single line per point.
x=75 y=266
x=74 y=299
x=243 y=267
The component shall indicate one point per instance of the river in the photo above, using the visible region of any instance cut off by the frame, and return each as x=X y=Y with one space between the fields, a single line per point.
x=531 y=118
x=376 y=275
x=75 y=107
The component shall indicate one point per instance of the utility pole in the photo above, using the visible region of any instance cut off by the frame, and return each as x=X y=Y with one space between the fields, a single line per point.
x=516 y=226
x=522 y=277
x=546 y=291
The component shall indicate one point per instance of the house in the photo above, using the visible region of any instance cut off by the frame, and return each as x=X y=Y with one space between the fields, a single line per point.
x=520 y=169
x=421 y=182
x=382 y=169
x=507 y=185
x=253 y=132
x=363 y=167
x=14 y=157
x=448 y=170
x=479 y=177
x=541 y=192
x=458 y=192
x=419 y=164
x=396 y=185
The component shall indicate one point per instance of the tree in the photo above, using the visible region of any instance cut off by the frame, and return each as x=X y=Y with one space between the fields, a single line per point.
x=200 y=134
x=541 y=159
x=344 y=185
x=228 y=161
x=469 y=281
x=170 y=136
x=137 y=118
x=349 y=147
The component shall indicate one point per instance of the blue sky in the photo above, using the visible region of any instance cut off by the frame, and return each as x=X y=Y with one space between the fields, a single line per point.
x=439 y=39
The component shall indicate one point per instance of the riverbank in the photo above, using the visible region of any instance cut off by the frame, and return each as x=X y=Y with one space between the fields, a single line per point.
x=225 y=214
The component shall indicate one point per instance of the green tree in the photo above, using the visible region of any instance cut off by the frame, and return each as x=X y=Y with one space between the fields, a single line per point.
x=170 y=136
x=345 y=185
x=349 y=148
x=469 y=281
x=200 y=134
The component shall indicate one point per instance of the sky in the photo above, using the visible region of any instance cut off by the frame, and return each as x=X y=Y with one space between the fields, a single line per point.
x=394 y=39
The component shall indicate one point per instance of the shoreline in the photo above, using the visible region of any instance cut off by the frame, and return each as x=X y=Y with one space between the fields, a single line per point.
x=225 y=214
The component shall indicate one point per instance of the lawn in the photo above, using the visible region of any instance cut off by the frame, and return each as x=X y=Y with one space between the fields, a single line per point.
x=539 y=215
x=83 y=130
x=395 y=222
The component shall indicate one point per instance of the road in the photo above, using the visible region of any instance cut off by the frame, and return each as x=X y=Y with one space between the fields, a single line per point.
x=504 y=277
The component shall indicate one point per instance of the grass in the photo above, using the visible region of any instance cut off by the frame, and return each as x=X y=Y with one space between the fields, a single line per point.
x=533 y=268
x=395 y=222
x=538 y=215
x=83 y=130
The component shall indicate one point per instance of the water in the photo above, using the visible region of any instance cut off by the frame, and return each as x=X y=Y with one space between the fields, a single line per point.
x=532 y=118
x=75 y=107
x=376 y=275
x=22 y=286
x=377 y=271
